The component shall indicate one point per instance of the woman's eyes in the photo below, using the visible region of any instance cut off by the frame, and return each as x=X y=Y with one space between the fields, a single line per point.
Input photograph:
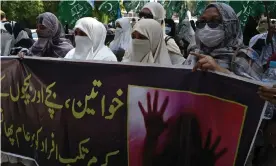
x=143 y=37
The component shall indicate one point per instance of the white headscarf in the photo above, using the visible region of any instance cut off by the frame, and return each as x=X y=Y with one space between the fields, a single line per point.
x=159 y=14
x=152 y=50
x=92 y=47
x=122 y=37
x=157 y=10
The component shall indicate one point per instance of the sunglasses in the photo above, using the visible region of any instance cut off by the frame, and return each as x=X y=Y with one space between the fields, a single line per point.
x=202 y=24
x=145 y=15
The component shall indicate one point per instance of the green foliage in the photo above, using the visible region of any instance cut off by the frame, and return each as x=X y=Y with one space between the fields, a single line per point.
x=51 y=6
x=23 y=11
x=26 y=12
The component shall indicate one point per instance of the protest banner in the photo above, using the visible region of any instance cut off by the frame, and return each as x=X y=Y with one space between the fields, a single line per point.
x=62 y=112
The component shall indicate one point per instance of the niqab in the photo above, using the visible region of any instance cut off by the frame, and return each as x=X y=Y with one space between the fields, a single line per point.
x=122 y=38
x=159 y=14
x=96 y=32
x=158 y=52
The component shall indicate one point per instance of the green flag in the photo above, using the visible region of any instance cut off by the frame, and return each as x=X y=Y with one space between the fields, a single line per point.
x=172 y=7
x=200 y=6
x=70 y=11
x=110 y=8
x=251 y=8
x=244 y=9
x=135 y=6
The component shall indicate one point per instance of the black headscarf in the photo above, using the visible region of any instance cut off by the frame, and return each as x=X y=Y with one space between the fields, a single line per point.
x=171 y=24
x=249 y=30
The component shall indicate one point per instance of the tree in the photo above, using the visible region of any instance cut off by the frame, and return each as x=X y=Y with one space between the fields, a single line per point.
x=51 y=6
x=24 y=12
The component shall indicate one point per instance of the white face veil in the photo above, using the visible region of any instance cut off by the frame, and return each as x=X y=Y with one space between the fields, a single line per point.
x=159 y=14
x=122 y=37
x=152 y=50
x=92 y=47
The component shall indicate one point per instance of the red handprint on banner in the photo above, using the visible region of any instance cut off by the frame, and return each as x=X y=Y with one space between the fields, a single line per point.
x=153 y=117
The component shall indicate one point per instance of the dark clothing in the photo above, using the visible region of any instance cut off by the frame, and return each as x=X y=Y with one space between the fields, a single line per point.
x=8 y=26
x=193 y=25
x=249 y=30
x=265 y=153
x=25 y=43
x=13 y=28
x=183 y=46
x=109 y=38
x=170 y=23
x=119 y=54
x=258 y=46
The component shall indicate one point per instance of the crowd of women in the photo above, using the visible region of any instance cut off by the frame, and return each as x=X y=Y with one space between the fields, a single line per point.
x=215 y=45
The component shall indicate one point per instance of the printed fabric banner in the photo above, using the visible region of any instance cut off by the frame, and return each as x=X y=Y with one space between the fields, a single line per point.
x=61 y=112
x=69 y=12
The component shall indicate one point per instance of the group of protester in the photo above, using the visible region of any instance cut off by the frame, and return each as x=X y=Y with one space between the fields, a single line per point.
x=216 y=44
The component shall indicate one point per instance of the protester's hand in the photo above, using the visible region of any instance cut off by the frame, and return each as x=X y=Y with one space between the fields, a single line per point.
x=268 y=94
x=272 y=28
x=153 y=118
x=208 y=155
x=271 y=32
x=23 y=52
x=206 y=62
x=21 y=55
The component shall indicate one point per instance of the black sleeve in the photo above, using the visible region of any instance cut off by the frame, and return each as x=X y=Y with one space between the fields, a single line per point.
x=258 y=46
x=119 y=54
x=8 y=27
x=25 y=43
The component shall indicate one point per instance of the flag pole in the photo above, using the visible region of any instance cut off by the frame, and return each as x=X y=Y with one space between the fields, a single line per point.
x=268 y=22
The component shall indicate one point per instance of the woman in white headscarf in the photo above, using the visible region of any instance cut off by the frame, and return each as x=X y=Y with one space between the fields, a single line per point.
x=122 y=39
x=156 y=11
x=148 y=45
x=90 y=38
